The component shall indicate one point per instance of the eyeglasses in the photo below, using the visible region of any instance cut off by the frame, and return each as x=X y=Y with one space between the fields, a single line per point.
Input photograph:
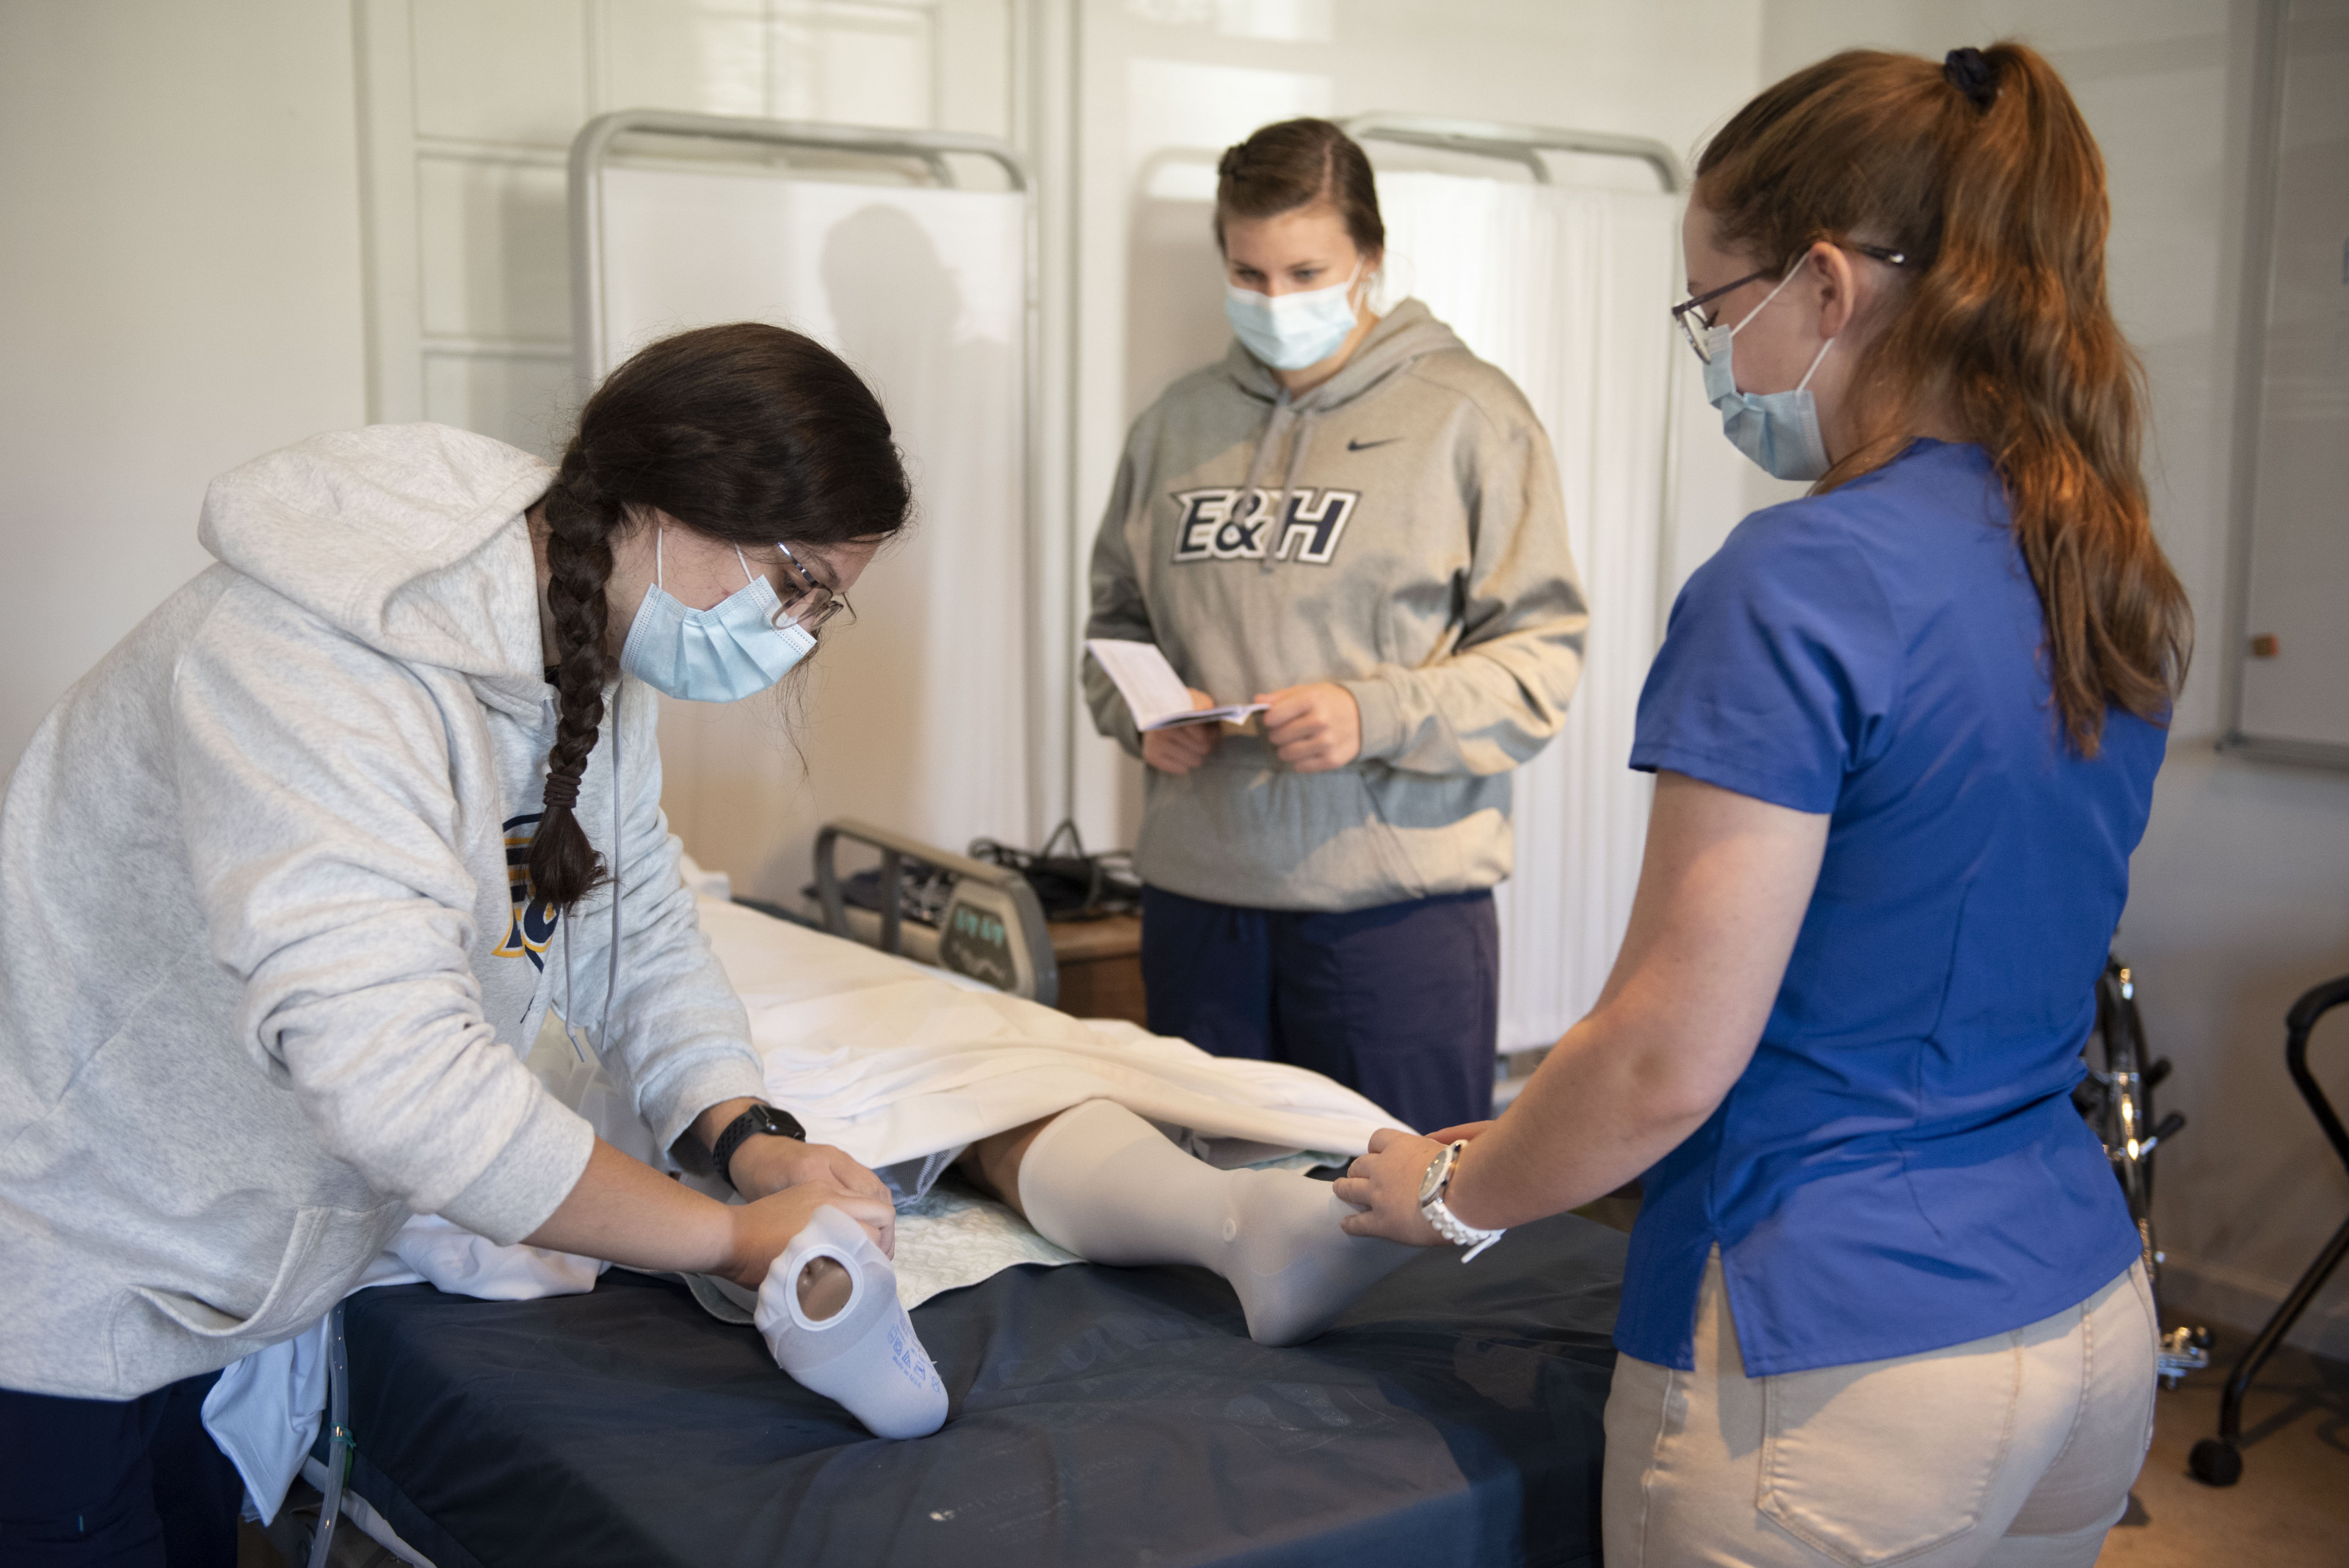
x=1684 y=315
x=814 y=604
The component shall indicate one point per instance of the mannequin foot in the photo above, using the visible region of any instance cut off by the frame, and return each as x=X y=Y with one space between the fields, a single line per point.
x=861 y=1351
x=1294 y=1269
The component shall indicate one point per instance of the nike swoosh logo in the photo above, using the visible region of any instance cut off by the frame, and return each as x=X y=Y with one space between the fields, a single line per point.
x=1366 y=445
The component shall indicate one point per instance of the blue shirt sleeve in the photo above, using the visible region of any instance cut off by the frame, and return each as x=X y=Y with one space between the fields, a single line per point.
x=1780 y=664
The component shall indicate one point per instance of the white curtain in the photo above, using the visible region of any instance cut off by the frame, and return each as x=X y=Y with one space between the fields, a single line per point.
x=917 y=717
x=1570 y=292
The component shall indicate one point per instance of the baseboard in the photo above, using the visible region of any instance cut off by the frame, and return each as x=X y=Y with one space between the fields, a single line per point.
x=2198 y=1291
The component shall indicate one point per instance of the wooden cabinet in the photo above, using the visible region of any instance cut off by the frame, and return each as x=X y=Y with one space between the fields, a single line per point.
x=1100 y=967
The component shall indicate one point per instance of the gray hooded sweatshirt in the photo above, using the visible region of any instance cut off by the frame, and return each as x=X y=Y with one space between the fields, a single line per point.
x=1399 y=530
x=266 y=952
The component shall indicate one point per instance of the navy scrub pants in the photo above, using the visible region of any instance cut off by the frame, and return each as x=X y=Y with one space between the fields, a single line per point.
x=1401 y=1001
x=128 y=1483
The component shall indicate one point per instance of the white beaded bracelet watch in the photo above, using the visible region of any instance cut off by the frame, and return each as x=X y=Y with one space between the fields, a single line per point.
x=1448 y=1225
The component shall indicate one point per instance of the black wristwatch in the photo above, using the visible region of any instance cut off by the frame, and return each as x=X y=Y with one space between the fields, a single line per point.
x=757 y=1120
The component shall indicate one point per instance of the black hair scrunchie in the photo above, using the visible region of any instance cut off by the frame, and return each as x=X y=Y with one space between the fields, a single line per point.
x=1973 y=74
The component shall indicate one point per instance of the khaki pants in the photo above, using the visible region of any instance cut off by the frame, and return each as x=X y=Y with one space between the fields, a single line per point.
x=2011 y=1450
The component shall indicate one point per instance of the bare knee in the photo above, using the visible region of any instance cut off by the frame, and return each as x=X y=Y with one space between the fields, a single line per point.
x=992 y=1164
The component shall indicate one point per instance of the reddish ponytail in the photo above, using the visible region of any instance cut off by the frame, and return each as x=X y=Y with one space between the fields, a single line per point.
x=1983 y=172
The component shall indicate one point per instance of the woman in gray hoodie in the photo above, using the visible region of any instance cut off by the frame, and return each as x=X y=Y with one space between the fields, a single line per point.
x=283 y=875
x=1352 y=519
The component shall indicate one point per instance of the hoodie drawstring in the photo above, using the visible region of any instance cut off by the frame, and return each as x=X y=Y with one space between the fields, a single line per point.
x=612 y=967
x=1298 y=445
x=1284 y=411
x=1265 y=443
x=572 y=1030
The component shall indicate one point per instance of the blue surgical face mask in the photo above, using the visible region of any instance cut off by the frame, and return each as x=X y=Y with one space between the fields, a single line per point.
x=731 y=651
x=1779 y=430
x=1290 y=331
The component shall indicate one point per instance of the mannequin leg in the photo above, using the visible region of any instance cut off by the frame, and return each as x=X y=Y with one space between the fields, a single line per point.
x=1106 y=1184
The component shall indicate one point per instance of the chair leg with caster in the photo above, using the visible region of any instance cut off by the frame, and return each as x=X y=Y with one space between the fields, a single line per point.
x=2219 y=1461
x=2215 y=1462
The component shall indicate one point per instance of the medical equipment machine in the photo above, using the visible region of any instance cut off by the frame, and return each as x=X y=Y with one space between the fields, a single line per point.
x=970 y=917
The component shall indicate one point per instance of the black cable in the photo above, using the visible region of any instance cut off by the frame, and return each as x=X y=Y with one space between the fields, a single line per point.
x=1070 y=884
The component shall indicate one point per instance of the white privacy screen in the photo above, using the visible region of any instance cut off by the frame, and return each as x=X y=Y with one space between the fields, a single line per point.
x=915 y=718
x=1570 y=292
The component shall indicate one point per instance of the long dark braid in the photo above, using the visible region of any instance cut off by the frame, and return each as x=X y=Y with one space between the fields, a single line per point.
x=564 y=867
x=747 y=434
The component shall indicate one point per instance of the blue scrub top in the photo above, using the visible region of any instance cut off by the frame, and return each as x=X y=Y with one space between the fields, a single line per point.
x=1901 y=1167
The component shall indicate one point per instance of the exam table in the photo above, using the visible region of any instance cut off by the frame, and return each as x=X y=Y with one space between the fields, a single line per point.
x=1100 y=1416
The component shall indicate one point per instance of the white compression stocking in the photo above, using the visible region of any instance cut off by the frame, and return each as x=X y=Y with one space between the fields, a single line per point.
x=866 y=1354
x=1106 y=1184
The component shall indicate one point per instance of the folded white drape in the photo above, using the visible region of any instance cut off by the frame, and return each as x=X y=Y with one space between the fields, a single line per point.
x=893 y=1062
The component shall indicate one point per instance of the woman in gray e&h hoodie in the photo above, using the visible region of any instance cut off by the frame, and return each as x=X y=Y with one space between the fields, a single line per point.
x=1358 y=521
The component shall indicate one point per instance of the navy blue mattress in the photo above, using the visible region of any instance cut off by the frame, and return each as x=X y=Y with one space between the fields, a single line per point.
x=1100 y=1416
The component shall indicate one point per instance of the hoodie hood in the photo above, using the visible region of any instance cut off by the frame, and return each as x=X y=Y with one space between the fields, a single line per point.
x=408 y=538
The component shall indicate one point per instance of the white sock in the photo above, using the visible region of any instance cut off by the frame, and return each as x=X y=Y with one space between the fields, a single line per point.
x=1106 y=1184
x=866 y=1354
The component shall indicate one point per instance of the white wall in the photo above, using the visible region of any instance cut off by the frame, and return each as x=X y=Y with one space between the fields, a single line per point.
x=179 y=291
x=2240 y=895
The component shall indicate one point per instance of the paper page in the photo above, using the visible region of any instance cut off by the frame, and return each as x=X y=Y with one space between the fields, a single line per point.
x=1152 y=689
x=1230 y=713
x=1148 y=684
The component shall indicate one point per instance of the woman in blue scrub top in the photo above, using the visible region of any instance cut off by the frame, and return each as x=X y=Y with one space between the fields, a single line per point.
x=1883 y=1300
